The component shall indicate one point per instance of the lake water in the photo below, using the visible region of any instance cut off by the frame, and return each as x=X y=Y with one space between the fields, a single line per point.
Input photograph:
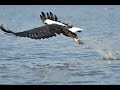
x=59 y=60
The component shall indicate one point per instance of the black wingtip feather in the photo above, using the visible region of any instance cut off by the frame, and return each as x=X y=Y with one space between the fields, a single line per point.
x=52 y=17
x=48 y=15
x=41 y=18
x=56 y=19
x=7 y=31
x=43 y=15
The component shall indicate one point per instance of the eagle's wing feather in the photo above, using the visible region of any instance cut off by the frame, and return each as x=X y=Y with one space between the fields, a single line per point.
x=49 y=15
x=39 y=32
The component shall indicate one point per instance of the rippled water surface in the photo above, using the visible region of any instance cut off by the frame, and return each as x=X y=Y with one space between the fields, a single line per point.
x=60 y=60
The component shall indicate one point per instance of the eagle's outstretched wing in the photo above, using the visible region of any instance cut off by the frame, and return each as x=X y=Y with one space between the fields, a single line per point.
x=52 y=17
x=39 y=32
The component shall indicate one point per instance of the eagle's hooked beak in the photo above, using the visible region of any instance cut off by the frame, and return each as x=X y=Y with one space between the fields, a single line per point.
x=78 y=41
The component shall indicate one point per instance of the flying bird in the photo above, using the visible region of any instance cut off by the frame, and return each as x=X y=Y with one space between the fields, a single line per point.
x=51 y=27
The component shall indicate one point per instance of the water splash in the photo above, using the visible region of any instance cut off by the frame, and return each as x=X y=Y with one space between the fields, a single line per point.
x=102 y=48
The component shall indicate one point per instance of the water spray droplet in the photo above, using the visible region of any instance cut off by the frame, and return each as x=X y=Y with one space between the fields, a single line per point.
x=102 y=48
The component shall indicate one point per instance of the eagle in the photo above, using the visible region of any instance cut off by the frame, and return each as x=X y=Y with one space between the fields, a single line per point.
x=51 y=27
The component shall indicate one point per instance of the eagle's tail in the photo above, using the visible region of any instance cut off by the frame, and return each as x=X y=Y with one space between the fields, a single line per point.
x=7 y=31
